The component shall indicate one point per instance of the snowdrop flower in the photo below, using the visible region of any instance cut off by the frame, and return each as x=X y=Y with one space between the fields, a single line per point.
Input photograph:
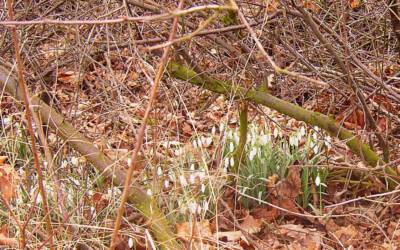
x=205 y=205
x=236 y=138
x=252 y=153
x=74 y=161
x=7 y=121
x=130 y=243
x=315 y=136
x=171 y=176
x=264 y=139
x=129 y=161
x=226 y=162
x=199 y=143
x=318 y=181
x=316 y=149
x=207 y=141
x=159 y=171
x=221 y=127
x=276 y=132
x=192 y=206
x=192 y=167
x=166 y=183
x=149 y=192
x=302 y=131
x=213 y=130
x=182 y=181
x=232 y=162
x=328 y=141
x=203 y=188
x=231 y=147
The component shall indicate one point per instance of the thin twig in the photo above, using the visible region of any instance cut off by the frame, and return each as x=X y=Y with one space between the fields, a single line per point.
x=28 y=114
x=123 y=19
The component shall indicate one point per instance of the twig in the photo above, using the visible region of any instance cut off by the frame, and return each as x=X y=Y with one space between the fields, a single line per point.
x=123 y=19
x=28 y=114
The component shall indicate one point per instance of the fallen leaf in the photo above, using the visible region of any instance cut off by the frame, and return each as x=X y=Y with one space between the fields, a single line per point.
x=251 y=225
x=196 y=230
x=8 y=181
x=301 y=238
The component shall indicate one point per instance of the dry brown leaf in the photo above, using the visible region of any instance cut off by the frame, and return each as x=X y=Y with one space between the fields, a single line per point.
x=267 y=213
x=272 y=6
x=355 y=4
x=230 y=236
x=312 y=6
x=68 y=77
x=251 y=225
x=196 y=230
x=8 y=181
x=286 y=191
x=5 y=239
x=302 y=238
x=348 y=235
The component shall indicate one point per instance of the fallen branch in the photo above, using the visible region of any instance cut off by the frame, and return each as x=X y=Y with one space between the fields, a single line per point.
x=157 y=221
x=312 y=118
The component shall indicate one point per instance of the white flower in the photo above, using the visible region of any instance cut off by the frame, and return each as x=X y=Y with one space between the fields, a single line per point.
x=226 y=162
x=231 y=147
x=159 y=171
x=316 y=149
x=192 y=207
x=213 y=51
x=276 y=132
x=166 y=183
x=129 y=161
x=264 y=139
x=205 y=205
x=7 y=121
x=328 y=141
x=221 y=127
x=203 y=188
x=316 y=128
x=315 y=136
x=74 y=161
x=302 y=131
x=232 y=162
x=171 y=176
x=252 y=153
x=318 y=181
x=149 y=192
x=236 y=138
x=194 y=143
x=192 y=167
x=130 y=243
x=199 y=143
x=182 y=181
x=213 y=130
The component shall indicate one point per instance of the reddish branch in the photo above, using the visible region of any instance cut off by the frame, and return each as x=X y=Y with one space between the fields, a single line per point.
x=28 y=114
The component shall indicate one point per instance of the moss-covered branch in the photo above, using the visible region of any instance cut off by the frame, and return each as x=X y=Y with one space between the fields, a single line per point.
x=158 y=223
x=312 y=118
